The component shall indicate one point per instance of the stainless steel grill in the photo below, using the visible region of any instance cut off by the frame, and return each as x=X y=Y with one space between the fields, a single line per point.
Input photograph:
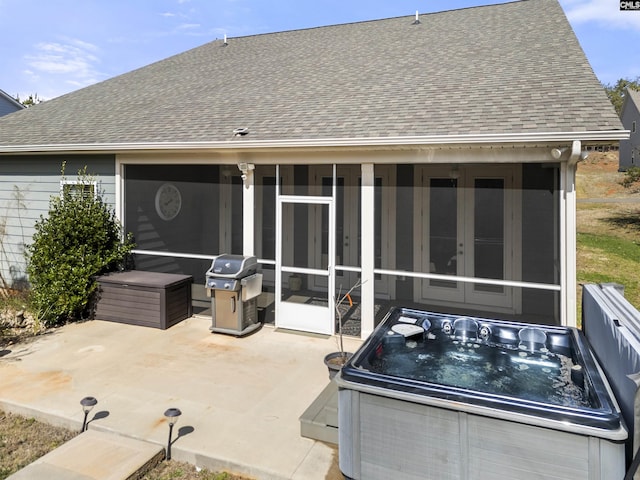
x=234 y=286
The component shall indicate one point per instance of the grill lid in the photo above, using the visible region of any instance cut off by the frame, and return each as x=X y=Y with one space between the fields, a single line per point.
x=232 y=266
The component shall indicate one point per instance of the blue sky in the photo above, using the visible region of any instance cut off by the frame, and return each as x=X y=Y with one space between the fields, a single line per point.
x=52 y=47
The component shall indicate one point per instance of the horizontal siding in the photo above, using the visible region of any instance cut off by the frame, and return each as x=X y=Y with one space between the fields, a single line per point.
x=27 y=184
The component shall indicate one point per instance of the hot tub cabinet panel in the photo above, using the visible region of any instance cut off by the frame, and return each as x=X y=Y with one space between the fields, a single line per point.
x=436 y=396
x=150 y=299
x=382 y=438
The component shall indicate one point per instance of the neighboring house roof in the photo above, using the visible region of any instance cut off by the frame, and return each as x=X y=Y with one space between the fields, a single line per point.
x=507 y=69
x=8 y=104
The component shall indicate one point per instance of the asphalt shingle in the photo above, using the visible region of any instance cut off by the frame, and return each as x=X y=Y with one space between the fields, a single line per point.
x=508 y=68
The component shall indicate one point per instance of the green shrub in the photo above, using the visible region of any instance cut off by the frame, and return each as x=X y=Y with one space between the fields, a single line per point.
x=631 y=176
x=79 y=239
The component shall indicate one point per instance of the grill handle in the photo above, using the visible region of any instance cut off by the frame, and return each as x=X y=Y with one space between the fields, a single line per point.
x=233 y=304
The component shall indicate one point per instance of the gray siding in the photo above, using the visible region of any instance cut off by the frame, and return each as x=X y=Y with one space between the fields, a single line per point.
x=7 y=106
x=630 y=149
x=27 y=184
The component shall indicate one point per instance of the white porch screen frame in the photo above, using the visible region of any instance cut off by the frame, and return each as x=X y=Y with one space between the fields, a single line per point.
x=315 y=312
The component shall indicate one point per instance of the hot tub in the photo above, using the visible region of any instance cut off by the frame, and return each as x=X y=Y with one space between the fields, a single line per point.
x=436 y=396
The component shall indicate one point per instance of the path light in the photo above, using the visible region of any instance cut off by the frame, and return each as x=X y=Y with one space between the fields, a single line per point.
x=171 y=415
x=87 y=405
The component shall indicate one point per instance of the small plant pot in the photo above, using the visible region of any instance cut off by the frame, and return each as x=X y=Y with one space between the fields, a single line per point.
x=334 y=362
x=295 y=283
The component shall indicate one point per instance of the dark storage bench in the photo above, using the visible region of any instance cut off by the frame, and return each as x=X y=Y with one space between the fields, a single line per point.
x=150 y=299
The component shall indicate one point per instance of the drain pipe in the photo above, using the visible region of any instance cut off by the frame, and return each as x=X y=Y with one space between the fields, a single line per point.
x=569 y=297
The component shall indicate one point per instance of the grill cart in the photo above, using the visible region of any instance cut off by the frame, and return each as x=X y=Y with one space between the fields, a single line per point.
x=234 y=286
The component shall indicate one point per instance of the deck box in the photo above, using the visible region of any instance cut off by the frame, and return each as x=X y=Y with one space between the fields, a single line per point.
x=149 y=299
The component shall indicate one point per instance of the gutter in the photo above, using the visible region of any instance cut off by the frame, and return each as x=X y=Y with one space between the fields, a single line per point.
x=244 y=143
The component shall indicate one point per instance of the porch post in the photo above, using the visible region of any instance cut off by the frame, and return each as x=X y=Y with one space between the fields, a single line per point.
x=569 y=283
x=248 y=213
x=367 y=262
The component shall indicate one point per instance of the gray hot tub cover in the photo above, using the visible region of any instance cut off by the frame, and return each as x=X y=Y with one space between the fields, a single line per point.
x=612 y=327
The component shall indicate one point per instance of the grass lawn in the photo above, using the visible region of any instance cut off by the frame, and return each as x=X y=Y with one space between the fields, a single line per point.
x=608 y=237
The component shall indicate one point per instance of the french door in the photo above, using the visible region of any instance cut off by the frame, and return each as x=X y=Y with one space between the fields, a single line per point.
x=469 y=220
x=348 y=237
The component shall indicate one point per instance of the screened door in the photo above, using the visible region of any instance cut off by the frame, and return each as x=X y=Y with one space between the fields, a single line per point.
x=299 y=306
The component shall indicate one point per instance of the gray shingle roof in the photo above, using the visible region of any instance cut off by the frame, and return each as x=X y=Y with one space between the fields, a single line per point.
x=508 y=68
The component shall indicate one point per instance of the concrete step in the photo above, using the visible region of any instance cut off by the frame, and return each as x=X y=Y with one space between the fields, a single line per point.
x=95 y=455
x=320 y=420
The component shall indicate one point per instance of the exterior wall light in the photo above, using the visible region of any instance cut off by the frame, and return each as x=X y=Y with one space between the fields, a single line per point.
x=172 y=415
x=246 y=168
x=87 y=405
x=557 y=152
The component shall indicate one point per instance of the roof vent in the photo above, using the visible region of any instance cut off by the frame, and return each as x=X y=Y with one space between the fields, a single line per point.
x=224 y=42
x=240 y=132
x=417 y=20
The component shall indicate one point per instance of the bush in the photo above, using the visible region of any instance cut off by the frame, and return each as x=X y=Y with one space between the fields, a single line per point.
x=631 y=176
x=80 y=238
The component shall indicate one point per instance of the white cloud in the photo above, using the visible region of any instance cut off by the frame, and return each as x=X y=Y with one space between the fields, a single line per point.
x=605 y=12
x=71 y=61
x=72 y=58
x=189 y=26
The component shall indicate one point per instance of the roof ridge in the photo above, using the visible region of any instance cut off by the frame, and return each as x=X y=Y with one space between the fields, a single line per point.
x=373 y=20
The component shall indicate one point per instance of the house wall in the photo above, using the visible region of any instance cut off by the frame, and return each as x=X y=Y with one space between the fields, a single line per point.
x=630 y=149
x=7 y=107
x=27 y=184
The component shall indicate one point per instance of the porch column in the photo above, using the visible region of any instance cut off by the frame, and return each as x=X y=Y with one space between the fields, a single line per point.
x=368 y=261
x=568 y=222
x=248 y=213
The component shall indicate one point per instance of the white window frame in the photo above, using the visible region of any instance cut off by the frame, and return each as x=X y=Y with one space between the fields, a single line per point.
x=71 y=183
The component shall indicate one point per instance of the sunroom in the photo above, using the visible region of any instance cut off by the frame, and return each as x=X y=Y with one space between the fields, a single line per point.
x=482 y=230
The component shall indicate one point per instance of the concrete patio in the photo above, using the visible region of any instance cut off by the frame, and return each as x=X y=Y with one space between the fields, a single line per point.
x=241 y=398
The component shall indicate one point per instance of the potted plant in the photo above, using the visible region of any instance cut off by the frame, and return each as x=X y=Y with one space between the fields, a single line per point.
x=335 y=360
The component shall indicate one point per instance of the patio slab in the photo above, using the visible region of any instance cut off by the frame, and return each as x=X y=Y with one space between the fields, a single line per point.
x=241 y=398
x=94 y=455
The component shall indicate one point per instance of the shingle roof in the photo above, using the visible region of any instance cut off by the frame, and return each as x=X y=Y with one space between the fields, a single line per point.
x=507 y=68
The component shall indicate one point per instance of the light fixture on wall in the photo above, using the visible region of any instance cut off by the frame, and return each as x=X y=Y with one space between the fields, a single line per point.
x=454 y=173
x=245 y=168
x=557 y=152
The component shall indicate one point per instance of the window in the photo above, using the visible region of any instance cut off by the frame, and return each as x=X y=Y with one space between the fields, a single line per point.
x=76 y=187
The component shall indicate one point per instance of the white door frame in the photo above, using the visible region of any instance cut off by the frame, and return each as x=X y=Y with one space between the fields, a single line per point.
x=509 y=300
x=301 y=316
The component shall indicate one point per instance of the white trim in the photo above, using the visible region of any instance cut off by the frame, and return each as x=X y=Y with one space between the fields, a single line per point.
x=162 y=253
x=296 y=316
x=248 y=213
x=119 y=189
x=456 y=278
x=240 y=144
x=368 y=251
x=570 y=226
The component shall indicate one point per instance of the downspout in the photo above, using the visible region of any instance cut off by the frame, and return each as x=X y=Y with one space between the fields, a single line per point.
x=569 y=294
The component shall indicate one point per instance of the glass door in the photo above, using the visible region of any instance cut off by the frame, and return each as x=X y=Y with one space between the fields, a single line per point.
x=469 y=222
x=441 y=201
x=490 y=218
x=300 y=306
